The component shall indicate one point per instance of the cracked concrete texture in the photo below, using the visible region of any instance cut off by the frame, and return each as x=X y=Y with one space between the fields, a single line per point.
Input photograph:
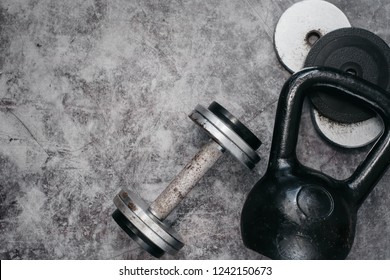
x=95 y=95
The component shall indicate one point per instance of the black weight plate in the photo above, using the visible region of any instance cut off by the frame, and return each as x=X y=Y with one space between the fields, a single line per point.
x=238 y=127
x=356 y=51
x=135 y=234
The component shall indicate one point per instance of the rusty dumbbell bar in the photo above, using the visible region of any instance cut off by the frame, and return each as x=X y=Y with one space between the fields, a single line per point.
x=146 y=224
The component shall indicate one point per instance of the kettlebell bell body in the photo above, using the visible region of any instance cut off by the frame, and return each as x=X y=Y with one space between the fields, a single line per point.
x=295 y=212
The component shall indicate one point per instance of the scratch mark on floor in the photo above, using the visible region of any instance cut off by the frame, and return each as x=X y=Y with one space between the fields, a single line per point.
x=29 y=131
x=268 y=29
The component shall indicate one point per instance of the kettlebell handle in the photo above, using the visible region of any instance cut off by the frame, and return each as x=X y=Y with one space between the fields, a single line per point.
x=283 y=149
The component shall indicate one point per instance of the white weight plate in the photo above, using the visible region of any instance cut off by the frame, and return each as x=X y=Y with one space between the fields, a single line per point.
x=354 y=135
x=297 y=22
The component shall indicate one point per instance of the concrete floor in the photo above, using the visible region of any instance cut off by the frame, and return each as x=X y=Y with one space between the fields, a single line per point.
x=94 y=97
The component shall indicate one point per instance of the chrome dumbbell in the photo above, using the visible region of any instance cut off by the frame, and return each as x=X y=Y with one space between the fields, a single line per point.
x=146 y=224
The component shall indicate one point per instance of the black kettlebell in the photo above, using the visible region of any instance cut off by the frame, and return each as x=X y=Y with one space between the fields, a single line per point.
x=295 y=212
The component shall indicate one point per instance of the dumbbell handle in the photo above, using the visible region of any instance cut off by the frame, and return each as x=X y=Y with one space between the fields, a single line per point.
x=175 y=192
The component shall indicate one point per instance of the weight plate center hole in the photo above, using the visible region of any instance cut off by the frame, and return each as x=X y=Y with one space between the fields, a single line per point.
x=351 y=71
x=312 y=37
x=352 y=68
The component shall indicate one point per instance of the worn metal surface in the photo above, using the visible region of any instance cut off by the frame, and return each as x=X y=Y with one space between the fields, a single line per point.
x=354 y=135
x=300 y=25
x=183 y=183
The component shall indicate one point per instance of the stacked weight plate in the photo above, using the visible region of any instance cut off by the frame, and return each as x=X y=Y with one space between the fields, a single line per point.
x=319 y=34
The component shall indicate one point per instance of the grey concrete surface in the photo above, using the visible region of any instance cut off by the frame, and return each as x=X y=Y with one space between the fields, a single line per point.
x=94 y=97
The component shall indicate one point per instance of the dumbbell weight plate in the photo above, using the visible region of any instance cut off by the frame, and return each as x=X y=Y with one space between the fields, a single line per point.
x=360 y=52
x=133 y=217
x=300 y=25
x=228 y=132
x=238 y=127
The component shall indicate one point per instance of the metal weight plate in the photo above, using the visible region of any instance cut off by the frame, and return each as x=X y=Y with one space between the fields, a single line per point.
x=359 y=52
x=228 y=132
x=237 y=126
x=354 y=135
x=153 y=235
x=300 y=26
x=356 y=51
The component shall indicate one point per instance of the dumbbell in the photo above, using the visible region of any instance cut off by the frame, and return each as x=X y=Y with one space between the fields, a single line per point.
x=146 y=224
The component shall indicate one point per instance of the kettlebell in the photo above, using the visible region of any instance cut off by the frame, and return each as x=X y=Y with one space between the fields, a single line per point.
x=295 y=212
